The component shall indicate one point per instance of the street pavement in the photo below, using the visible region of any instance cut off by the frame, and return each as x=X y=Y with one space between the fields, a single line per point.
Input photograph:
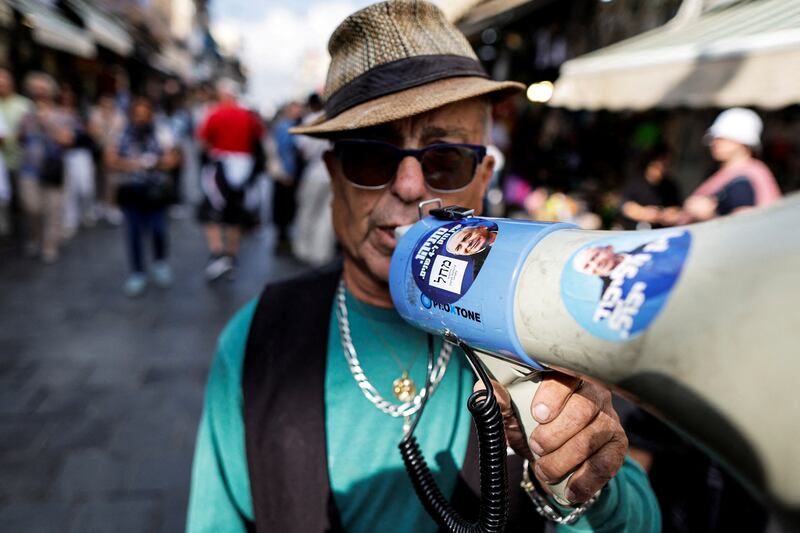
x=100 y=394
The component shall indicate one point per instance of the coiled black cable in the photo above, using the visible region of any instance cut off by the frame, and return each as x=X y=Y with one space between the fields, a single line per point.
x=485 y=411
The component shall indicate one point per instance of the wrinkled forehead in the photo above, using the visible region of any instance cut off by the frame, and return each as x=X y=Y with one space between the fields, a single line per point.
x=459 y=122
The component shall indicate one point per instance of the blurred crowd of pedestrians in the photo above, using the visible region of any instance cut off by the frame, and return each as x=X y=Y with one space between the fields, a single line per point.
x=69 y=163
x=128 y=160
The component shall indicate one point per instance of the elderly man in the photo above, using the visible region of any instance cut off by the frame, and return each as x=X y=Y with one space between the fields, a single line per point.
x=306 y=397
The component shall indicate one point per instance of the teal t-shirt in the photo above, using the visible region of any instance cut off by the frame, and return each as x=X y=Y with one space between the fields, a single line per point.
x=369 y=483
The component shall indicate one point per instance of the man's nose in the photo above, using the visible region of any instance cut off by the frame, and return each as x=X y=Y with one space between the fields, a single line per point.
x=409 y=183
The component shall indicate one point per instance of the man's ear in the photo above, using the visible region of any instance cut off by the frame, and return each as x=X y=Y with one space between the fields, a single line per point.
x=334 y=167
x=330 y=162
x=484 y=173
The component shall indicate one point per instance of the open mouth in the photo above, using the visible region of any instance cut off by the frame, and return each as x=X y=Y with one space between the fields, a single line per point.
x=386 y=236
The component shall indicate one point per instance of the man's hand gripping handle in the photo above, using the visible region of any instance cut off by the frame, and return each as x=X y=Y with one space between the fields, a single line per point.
x=521 y=385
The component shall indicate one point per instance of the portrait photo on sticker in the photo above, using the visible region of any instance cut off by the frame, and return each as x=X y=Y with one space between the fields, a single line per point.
x=615 y=287
x=448 y=259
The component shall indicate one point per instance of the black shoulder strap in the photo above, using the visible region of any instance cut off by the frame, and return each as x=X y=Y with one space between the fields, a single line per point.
x=284 y=414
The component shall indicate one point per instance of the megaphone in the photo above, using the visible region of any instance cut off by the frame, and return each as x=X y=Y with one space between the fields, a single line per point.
x=699 y=324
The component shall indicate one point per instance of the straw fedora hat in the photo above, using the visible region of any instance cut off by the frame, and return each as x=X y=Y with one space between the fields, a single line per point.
x=396 y=59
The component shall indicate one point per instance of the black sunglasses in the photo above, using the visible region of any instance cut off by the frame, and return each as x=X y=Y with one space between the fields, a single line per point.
x=373 y=164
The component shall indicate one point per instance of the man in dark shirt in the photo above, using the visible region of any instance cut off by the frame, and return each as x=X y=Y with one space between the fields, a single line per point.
x=651 y=200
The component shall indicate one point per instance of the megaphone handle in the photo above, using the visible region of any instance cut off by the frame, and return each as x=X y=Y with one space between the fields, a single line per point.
x=521 y=384
x=522 y=393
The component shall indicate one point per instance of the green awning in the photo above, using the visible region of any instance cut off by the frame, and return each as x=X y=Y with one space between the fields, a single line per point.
x=741 y=54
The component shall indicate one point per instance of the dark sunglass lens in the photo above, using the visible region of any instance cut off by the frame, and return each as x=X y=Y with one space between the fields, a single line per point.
x=448 y=167
x=368 y=165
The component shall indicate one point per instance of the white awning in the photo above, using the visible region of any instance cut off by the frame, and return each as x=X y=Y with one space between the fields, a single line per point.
x=175 y=61
x=478 y=15
x=745 y=54
x=488 y=9
x=455 y=9
x=51 y=29
x=104 y=29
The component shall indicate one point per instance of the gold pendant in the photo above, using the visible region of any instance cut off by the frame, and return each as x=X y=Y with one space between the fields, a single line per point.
x=404 y=389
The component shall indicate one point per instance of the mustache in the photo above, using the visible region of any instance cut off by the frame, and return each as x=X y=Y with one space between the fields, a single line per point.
x=399 y=217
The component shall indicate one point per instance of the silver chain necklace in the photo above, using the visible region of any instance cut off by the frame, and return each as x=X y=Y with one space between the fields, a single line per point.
x=405 y=409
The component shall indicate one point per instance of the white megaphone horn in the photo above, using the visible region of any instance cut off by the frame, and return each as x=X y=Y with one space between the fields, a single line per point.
x=699 y=324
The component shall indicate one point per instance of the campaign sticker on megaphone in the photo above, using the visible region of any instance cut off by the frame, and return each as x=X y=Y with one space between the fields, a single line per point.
x=615 y=287
x=447 y=259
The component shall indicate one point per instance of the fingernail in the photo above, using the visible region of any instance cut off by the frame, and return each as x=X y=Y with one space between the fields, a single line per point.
x=571 y=496
x=541 y=411
x=539 y=474
x=536 y=447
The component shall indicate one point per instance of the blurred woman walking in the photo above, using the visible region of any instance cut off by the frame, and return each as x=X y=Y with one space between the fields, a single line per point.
x=143 y=157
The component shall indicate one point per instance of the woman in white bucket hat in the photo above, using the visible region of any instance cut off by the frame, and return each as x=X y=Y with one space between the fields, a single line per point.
x=742 y=182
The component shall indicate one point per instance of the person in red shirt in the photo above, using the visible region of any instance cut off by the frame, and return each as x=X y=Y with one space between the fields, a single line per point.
x=230 y=135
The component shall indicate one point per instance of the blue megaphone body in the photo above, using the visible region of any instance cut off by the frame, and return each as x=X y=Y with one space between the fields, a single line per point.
x=436 y=282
